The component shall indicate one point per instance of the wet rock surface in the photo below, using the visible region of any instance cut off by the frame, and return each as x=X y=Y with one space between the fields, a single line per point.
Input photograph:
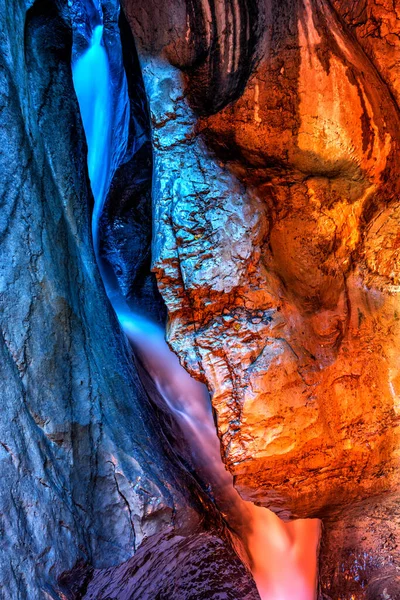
x=86 y=471
x=360 y=552
x=197 y=567
x=275 y=249
x=274 y=138
x=263 y=246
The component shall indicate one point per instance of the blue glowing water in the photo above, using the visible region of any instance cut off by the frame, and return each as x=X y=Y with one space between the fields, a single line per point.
x=102 y=94
x=92 y=82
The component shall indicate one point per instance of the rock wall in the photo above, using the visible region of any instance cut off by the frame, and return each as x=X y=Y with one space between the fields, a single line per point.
x=276 y=141
x=199 y=566
x=87 y=473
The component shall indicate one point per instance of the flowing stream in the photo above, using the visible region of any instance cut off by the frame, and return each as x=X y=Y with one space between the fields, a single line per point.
x=282 y=557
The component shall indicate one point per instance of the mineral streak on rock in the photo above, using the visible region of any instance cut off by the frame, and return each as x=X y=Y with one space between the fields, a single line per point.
x=276 y=251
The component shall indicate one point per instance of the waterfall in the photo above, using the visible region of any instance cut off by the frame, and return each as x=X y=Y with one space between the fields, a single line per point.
x=282 y=556
x=105 y=115
x=92 y=82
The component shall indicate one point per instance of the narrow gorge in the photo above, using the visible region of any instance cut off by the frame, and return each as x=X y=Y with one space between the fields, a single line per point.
x=199 y=288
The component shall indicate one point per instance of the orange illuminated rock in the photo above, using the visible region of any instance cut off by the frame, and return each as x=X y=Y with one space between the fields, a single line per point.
x=276 y=249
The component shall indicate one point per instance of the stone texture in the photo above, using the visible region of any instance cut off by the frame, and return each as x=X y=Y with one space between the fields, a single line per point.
x=275 y=132
x=360 y=552
x=376 y=26
x=276 y=251
x=196 y=567
x=86 y=471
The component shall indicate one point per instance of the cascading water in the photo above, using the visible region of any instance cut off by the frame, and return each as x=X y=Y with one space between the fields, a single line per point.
x=104 y=110
x=282 y=557
x=92 y=82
